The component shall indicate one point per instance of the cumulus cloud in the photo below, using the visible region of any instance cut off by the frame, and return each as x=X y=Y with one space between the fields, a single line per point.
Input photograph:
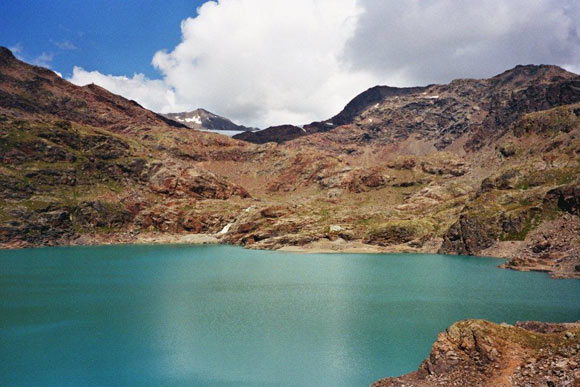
x=151 y=93
x=266 y=62
x=258 y=62
x=416 y=42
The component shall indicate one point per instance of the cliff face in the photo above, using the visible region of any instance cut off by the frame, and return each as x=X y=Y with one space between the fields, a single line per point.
x=482 y=167
x=480 y=353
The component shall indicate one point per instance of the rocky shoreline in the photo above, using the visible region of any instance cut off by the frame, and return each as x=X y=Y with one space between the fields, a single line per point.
x=519 y=256
x=481 y=353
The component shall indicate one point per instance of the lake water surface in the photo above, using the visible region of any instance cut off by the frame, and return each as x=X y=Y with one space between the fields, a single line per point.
x=222 y=315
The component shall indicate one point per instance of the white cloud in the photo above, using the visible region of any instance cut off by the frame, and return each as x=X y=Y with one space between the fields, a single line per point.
x=44 y=60
x=65 y=45
x=428 y=41
x=266 y=62
x=153 y=94
x=258 y=62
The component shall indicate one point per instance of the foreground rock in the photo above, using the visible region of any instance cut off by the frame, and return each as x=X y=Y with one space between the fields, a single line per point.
x=481 y=353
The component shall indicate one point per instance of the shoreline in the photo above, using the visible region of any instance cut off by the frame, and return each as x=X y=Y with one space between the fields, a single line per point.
x=323 y=245
x=500 y=251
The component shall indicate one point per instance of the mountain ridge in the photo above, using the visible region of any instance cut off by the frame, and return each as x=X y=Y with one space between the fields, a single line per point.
x=479 y=94
x=478 y=167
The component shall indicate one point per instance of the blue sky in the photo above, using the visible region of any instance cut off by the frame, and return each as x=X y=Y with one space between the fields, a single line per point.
x=271 y=62
x=113 y=36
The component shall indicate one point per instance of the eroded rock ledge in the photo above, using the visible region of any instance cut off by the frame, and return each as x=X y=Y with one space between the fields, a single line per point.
x=481 y=353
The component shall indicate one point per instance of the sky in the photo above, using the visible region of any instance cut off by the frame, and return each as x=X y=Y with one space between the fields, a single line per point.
x=269 y=62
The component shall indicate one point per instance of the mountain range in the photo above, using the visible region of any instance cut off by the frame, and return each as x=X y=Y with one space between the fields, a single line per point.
x=485 y=167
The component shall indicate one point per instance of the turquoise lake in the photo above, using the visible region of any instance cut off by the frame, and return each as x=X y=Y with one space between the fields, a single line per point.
x=222 y=315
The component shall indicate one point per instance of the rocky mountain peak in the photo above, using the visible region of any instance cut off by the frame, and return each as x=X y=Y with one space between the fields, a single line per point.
x=523 y=75
x=202 y=119
x=6 y=56
x=26 y=89
x=474 y=109
x=367 y=98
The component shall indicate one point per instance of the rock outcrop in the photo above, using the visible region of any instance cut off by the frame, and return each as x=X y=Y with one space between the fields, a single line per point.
x=554 y=247
x=480 y=353
x=567 y=198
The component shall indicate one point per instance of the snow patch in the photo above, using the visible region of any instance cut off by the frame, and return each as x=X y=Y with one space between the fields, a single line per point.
x=194 y=119
x=225 y=229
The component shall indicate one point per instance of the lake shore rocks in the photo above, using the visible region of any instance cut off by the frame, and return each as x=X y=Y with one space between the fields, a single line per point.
x=481 y=353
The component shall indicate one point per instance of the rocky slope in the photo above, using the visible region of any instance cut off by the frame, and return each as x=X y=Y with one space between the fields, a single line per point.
x=80 y=160
x=32 y=92
x=488 y=167
x=201 y=119
x=480 y=353
x=277 y=134
x=479 y=108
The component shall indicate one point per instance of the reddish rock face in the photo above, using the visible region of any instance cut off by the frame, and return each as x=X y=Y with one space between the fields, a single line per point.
x=480 y=353
x=192 y=182
x=274 y=212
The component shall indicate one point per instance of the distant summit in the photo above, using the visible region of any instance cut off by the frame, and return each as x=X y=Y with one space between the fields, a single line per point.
x=201 y=119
